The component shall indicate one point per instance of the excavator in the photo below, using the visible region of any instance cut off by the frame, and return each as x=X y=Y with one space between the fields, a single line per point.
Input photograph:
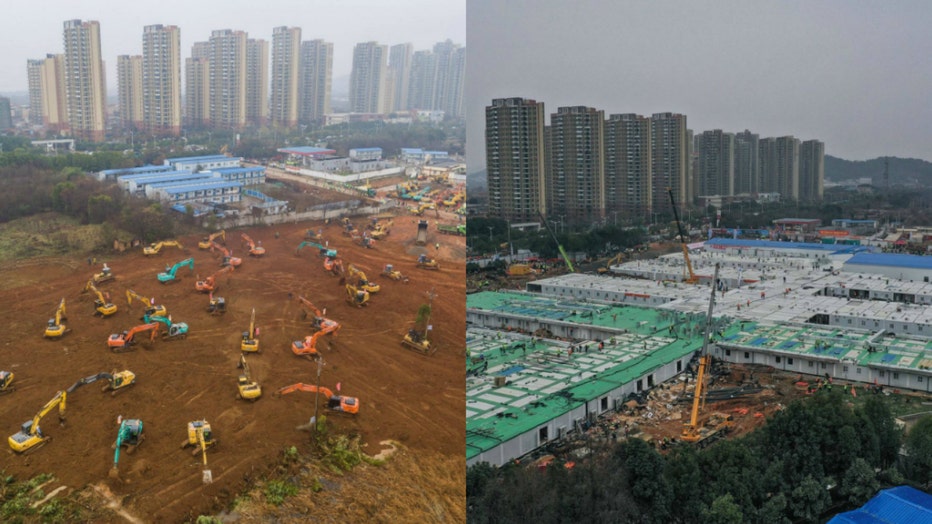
x=323 y=250
x=334 y=266
x=392 y=273
x=205 y=243
x=617 y=259
x=250 y=342
x=153 y=249
x=102 y=305
x=216 y=305
x=381 y=230
x=692 y=278
x=692 y=431
x=255 y=250
x=151 y=310
x=55 y=328
x=425 y=262
x=363 y=240
x=115 y=381
x=248 y=388
x=425 y=206
x=356 y=296
x=120 y=342
x=322 y=325
x=362 y=282
x=337 y=403
x=129 y=435
x=201 y=437
x=30 y=435
x=417 y=338
x=318 y=235
x=228 y=258
x=106 y=274
x=6 y=382
x=173 y=330
x=169 y=274
x=209 y=284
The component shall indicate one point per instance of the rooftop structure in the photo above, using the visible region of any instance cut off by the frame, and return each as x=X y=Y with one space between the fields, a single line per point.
x=899 y=505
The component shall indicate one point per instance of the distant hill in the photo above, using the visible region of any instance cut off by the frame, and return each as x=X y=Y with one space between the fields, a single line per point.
x=903 y=171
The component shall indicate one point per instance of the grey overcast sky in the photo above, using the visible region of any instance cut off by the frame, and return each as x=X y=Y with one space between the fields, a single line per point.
x=34 y=28
x=856 y=75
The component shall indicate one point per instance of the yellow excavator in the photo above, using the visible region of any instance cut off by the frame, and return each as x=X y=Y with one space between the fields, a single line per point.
x=6 y=382
x=250 y=342
x=106 y=274
x=151 y=310
x=338 y=403
x=55 y=328
x=356 y=296
x=425 y=206
x=201 y=437
x=114 y=381
x=102 y=305
x=30 y=436
x=617 y=259
x=153 y=249
x=205 y=243
x=354 y=273
x=693 y=432
x=248 y=388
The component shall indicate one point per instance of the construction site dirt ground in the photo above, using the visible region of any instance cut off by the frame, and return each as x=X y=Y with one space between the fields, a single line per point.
x=404 y=396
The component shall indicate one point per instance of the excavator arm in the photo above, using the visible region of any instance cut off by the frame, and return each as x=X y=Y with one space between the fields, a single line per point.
x=334 y=402
x=88 y=380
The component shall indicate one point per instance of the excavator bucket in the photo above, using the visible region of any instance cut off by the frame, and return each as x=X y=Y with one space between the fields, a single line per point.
x=207 y=476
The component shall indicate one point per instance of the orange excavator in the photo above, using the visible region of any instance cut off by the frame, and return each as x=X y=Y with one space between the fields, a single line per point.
x=323 y=326
x=209 y=284
x=337 y=403
x=254 y=250
x=228 y=258
x=334 y=266
x=124 y=341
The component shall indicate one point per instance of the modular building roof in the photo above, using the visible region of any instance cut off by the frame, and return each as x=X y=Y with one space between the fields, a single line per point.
x=233 y=170
x=200 y=187
x=899 y=505
x=135 y=170
x=189 y=159
x=891 y=260
x=772 y=244
x=161 y=177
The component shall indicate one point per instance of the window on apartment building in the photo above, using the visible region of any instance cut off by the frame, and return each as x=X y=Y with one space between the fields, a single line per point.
x=849 y=320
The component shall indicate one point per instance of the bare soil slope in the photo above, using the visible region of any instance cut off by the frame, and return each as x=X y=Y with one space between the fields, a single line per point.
x=405 y=396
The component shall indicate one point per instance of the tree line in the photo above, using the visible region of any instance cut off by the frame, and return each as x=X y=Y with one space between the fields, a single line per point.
x=816 y=457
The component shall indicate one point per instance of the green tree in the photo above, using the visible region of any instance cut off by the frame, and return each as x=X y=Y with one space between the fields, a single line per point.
x=918 y=447
x=809 y=499
x=723 y=511
x=859 y=483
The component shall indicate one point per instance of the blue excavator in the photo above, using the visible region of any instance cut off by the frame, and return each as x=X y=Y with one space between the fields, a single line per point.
x=324 y=251
x=129 y=435
x=169 y=274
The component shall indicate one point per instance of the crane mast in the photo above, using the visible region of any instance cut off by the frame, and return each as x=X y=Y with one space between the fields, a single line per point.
x=689 y=265
x=566 y=257
x=691 y=430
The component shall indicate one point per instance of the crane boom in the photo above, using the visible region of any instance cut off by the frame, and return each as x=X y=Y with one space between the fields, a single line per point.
x=689 y=265
x=566 y=257
x=691 y=430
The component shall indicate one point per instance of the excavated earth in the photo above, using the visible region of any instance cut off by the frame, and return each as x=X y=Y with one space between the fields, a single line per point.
x=404 y=395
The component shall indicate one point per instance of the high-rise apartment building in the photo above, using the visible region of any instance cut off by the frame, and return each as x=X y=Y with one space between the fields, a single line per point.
x=399 y=75
x=779 y=163
x=316 y=72
x=421 y=80
x=129 y=87
x=286 y=58
x=811 y=170
x=6 y=115
x=85 y=84
x=575 y=181
x=450 y=72
x=197 y=86
x=161 y=80
x=34 y=79
x=628 y=158
x=716 y=163
x=367 y=79
x=747 y=163
x=670 y=158
x=227 y=79
x=257 y=82
x=514 y=143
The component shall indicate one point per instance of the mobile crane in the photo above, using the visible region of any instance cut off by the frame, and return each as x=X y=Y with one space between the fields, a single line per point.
x=209 y=284
x=30 y=435
x=102 y=305
x=248 y=388
x=692 y=431
x=153 y=249
x=255 y=250
x=169 y=274
x=361 y=281
x=55 y=328
x=151 y=309
x=692 y=278
x=338 y=403
x=250 y=342
x=566 y=258
x=114 y=381
x=205 y=243
x=120 y=342
x=228 y=259
x=129 y=435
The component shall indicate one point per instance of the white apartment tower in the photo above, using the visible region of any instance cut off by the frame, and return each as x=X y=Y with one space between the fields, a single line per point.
x=399 y=75
x=316 y=73
x=197 y=88
x=257 y=82
x=367 y=79
x=227 y=79
x=161 y=80
x=129 y=87
x=85 y=84
x=286 y=55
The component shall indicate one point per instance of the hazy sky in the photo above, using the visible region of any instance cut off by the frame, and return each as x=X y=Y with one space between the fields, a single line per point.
x=34 y=28
x=856 y=75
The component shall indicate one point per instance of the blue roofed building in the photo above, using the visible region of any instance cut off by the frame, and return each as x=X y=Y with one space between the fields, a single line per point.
x=114 y=174
x=203 y=163
x=216 y=191
x=248 y=176
x=899 y=505
x=892 y=265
